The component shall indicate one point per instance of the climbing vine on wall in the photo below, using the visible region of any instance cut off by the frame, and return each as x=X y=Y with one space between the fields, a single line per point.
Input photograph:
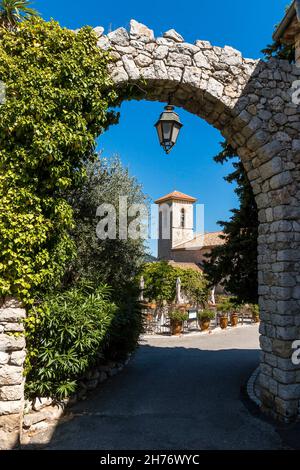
x=58 y=99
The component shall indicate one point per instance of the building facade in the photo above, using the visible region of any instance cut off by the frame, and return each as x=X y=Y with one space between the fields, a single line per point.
x=178 y=242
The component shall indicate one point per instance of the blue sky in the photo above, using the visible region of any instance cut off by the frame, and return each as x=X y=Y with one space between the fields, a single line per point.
x=189 y=168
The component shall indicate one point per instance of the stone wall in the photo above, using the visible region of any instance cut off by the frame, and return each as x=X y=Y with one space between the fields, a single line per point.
x=44 y=414
x=12 y=356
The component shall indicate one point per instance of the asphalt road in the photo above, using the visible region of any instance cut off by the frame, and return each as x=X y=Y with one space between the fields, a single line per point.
x=176 y=393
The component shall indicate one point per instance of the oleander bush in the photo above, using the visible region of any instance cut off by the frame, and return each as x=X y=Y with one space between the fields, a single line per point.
x=65 y=335
x=70 y=331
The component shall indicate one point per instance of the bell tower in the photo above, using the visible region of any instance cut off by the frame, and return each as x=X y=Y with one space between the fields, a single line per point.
x=176 y=222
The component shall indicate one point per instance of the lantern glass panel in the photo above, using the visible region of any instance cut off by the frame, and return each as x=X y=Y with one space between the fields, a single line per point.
x=176 y=129
x=167 y=131
x=159 y=132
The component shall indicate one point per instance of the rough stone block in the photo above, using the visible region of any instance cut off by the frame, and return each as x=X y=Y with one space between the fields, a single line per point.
x=4 y=357
x=173 y=35
x=286 y=364
x=11 y=343
x=266 y=344
x=11 y=375
x=289 y=391
x=286 y=408
x=17 y=358
x=51 y=413
x=271 y=359
x=271 y=168
x=13 y=327
x=41 y=402
x=283 y=376
x=12 y=314
x=267 y=399
x=9 y=431
x=10 y=302
x=266 y=369
x=120 y=36
x=11 y=392
x=282 y=348
x=291 y=333
x=140 y=31
x=11 y=407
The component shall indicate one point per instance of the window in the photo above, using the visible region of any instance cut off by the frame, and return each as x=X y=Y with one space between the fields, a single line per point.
x=182 y=219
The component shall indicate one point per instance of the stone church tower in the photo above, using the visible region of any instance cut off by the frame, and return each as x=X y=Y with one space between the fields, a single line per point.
x=176 y=222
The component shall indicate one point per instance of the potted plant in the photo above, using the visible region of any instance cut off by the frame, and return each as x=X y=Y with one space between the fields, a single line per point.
x=224 y=320
x=205 y=317
x=149 y=316
x=254 y=308
x=234 y=319
x=177 y=317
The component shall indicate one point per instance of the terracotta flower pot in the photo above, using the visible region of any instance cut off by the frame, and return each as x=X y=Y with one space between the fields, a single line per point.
x=234 y=319
x=176 y=328
x=224 y=322
x=204 y=325
x=255 y=318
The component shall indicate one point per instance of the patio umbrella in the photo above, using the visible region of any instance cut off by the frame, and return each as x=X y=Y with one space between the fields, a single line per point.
x=178 y=290
x=212 y=297
x=142 y=288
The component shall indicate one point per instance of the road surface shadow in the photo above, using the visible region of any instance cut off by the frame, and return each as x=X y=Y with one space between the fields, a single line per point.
x=171 y=398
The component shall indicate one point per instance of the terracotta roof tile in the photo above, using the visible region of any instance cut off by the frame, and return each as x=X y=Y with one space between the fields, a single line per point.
x=192 y=266
x=208 y=240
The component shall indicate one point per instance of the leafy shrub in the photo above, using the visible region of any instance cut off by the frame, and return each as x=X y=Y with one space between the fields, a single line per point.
x=206 y=315
x=178 y=315
x=194 y=284
x=65 y=335
x=126 y=326
x=226 y=304
x=160 y=282
x=253 y=309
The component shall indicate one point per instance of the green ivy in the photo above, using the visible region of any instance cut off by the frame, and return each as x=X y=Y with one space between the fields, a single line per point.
x=58 y=99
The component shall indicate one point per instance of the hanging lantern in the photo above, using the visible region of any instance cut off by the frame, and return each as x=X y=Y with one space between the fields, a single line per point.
x=168 y=127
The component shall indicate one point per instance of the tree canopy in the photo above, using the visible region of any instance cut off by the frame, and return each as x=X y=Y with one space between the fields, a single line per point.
x=12 y=12
x=113 y=261
x=234 y=264
x=160 y=282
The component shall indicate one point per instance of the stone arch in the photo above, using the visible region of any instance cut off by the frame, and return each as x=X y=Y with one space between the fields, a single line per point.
x=255 y=105
x=250 y=102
